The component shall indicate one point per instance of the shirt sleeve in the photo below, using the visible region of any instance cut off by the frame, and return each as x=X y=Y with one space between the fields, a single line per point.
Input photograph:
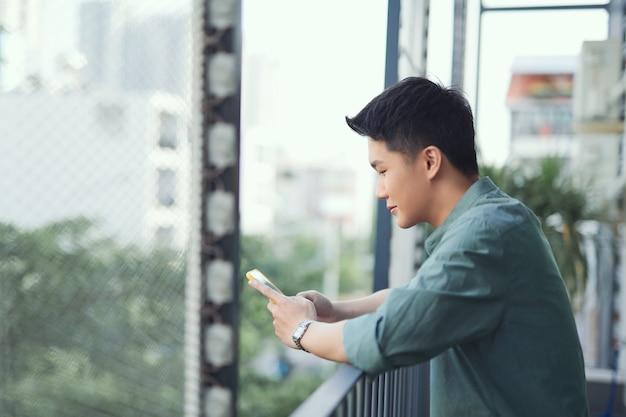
x=457 y=296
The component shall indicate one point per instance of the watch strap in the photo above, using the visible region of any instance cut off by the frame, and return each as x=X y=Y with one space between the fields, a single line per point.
x=299 y=332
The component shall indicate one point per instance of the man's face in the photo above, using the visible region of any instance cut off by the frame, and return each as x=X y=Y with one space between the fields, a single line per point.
x=403 y=185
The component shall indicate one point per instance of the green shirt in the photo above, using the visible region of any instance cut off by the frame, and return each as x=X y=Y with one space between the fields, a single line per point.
x=490 y=308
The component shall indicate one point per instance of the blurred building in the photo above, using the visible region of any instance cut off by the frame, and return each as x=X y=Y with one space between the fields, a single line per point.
x=134 y=53
x=98 y=128
x=540 y=101
x=562 y=106
x=567 y=107
x=286 y=193
x=163 y=41
x=100 y=40
x=279 y=194
x=19 y=36
x=121 y=159
x=316 y=195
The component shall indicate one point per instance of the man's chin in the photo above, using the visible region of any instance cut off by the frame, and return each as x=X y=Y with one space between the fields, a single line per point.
x=403 y=224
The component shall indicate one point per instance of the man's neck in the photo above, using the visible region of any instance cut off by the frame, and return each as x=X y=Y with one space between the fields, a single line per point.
x=450 y=190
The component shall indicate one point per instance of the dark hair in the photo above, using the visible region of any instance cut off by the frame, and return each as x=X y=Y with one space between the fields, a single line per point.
x=416 y=113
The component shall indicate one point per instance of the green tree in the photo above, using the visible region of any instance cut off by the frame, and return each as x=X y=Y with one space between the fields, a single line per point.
x=355 y=267
x=89 y=327
x=294 y=263
x=94 y=328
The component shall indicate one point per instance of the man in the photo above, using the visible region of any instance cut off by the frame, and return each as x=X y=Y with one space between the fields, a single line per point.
x=488 y=307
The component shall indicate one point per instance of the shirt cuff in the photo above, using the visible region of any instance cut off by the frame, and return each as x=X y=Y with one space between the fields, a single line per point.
x=360 y=341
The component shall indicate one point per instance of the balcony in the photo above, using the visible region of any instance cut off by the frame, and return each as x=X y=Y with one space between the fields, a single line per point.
x=404 y=392
x=350 y=393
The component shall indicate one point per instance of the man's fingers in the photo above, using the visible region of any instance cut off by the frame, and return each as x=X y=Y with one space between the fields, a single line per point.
x=265 y=290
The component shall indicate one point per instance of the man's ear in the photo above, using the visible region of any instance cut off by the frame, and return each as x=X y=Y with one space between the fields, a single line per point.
x=432 y=159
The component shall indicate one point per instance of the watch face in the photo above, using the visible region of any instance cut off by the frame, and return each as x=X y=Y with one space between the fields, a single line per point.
x=299 y=331
x=297 y=334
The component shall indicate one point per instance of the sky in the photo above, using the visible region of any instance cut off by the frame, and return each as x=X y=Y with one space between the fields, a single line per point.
x=330 y=57
x=353 y=44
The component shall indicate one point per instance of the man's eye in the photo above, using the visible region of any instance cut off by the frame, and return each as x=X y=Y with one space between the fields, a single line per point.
x=382 y=173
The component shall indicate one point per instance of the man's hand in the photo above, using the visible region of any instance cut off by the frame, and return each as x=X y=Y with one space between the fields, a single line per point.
x=324 y=307
x=288 y=312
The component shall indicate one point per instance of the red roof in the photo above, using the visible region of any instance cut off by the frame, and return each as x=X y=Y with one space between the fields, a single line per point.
x=540 y=86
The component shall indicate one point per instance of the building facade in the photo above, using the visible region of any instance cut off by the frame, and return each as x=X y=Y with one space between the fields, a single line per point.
x=120 y=159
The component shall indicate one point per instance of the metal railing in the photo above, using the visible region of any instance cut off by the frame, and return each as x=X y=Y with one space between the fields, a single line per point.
x=350 y=393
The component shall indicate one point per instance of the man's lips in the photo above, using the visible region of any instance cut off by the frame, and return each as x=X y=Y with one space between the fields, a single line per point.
x=392 y=209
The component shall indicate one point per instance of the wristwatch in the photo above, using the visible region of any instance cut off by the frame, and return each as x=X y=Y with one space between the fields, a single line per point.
x=299 y=332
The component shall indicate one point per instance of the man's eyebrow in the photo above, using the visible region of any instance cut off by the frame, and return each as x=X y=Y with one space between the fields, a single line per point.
x=375 y=163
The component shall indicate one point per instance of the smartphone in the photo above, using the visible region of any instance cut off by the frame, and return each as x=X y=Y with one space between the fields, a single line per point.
x=259 y=276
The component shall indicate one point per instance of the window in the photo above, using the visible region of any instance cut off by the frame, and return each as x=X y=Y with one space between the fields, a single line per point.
x=541 y=121
x=164 y=236
x=166 y=187
x=168 y=129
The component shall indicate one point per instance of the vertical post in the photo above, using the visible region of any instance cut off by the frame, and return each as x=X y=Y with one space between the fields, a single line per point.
x=458 y=45
x=478 y=52
x=383 y=217
x=617 y=30
x=212 y=290
x=392 y=54
x=606 y=284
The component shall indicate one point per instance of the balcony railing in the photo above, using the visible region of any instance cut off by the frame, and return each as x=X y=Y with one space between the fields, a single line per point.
x=350 y=393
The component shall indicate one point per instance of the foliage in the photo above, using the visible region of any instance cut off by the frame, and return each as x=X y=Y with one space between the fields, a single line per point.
x=561 y=203
x=291 y=264
x=264 y=397
x=355 y=267
x=89 y=327
x=294 y=264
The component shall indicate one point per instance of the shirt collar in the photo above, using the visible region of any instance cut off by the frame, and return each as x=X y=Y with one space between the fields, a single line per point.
x=473 y=193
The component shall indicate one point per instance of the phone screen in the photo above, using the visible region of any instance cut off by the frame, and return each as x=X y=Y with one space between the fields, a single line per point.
x=259 y=276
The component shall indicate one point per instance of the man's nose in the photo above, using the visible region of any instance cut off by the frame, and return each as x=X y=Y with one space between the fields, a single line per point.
x=381 y=192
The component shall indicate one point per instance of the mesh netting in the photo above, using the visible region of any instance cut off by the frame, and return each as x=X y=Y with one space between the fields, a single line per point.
x=94 y=181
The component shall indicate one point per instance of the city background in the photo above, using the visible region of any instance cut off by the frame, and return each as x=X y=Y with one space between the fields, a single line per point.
x=97 y=184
